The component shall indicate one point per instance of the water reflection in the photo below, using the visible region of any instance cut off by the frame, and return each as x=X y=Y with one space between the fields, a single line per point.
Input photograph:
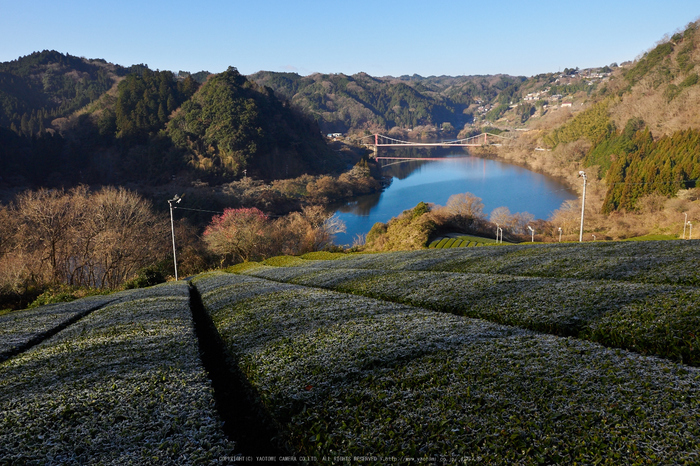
x=450 y=172
x=362 y=205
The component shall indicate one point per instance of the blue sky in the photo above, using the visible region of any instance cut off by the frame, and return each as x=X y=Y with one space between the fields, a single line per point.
x=378 y=37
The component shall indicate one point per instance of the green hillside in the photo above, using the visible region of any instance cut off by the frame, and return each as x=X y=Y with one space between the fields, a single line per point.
x=342 y=103
x=45 y=85
x=66 y=120
x=640 y=128
x=559 y=354
x=232 y=124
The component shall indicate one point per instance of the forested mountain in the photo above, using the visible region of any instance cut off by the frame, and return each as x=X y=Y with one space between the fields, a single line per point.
x=342 y=103
x=642 y=127
x=45 y=85
x=66 y=120
x=233 y=123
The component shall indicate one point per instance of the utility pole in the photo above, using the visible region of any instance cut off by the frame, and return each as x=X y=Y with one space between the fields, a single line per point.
x=176 y=200
x=582 y=174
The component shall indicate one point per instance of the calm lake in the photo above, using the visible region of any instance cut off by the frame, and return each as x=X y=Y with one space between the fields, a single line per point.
x=434 y=181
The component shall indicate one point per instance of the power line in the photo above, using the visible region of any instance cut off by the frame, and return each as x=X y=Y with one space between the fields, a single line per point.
x=218 y=211
x=199 y=210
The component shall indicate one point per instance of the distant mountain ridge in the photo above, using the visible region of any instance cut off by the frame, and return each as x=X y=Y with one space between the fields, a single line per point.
x=65 y=119
x=49 y=84
x=343 y=103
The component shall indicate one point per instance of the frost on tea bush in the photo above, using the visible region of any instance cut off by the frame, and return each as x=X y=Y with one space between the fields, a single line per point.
x=124 y=385
x=349 y=375
x=368 y=367
x=670 y=262
x=20 y=329
x=595 y=309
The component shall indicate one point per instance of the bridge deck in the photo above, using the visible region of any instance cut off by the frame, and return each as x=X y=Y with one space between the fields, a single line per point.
x=429 y=144
x=420 y=158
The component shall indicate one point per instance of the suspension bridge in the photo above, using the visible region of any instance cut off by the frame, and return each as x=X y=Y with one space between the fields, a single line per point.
x=480 y=140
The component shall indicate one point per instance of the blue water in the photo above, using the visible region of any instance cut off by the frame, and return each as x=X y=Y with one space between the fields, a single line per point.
x=496 y=183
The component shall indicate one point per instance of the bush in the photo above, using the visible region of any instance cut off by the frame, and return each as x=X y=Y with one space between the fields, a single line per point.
x=377 y=230
x=52 y=296
x=242 y=267
x=410 y=230
x=322 y=255
x=147 y=276
x=63 y=294
x=282 y=261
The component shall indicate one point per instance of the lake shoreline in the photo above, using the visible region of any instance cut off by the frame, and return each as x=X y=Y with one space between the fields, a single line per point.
x=497 y=181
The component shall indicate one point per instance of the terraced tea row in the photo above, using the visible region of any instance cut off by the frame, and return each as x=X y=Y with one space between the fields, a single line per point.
x=648 y=318
x=663 y=262
x=349 y=375
x=429 y=367
x=123 y=385
x=19 y=330
x=446 y=243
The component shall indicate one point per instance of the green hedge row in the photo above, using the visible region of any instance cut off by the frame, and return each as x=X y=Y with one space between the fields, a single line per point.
x=664 y=262
x=446 y=243
x=123 y=385
x=345 y=375
x=652 y=319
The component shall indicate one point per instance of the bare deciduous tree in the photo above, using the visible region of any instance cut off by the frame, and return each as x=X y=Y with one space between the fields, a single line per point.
x=568 y=217
x=238 y=234
x=520 y=221
x=81 y=238
x=501 y=216
x=127 y=235
x=466 y=205
x=46 y=219
x=323 y=226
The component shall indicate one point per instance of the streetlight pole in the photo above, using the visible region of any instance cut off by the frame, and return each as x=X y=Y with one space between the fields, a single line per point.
x=176 y=200
x=532 y=232
x=560 y=234
x=582 y=174
x=501 y=230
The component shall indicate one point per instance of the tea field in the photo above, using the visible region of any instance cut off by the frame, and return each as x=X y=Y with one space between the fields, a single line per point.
x=122 y=385
x=527 y=354
x=463 y=241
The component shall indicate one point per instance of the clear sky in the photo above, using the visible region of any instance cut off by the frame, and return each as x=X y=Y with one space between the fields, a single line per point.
x=379 y=37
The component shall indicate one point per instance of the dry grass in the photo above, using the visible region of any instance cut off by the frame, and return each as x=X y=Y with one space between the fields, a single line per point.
x=662 y=117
